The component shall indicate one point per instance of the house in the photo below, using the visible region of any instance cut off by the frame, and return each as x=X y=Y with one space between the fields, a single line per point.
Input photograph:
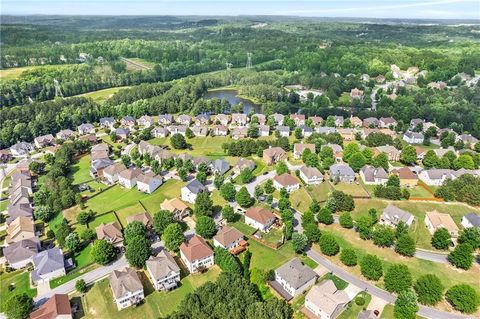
x=392 y=215
x=90 y=138
x=440 y=85
x=48 y=264
x=184 y=119
x=196 y=254
x=14 y=211
x=146 y=121
x=220 y=166
x=278 y=118
x=126 y=287
x=325 y=130
x=380 y=79
x=159 y=132
x=435 y=177
x=110 y=173
x=298 y=119
x=239 y=119
x=107 y=122
x=128 y=178
x=19 y=229
x=99 y=151
x=338 y=120
x=97 y=166
x=435 y=220
x=316 y=120
x=387 y=122
x=283 y=131
x=242 y=164
x=294 y=277
x=287 y=181
x=239 y=133
x=143 y=218
x=306 y=130
x=342 y=173
x=175 y=206
x=191 y=191
x=200 y=130
x=44 y=140
x=178 y=129
x=20 y=253
x=148 y=182
x=311 y=175
x=21 y=149
x=370 y=122
x=110 y=232
x=19 y=196
x=259 y=218
x=164 y=271
x=86 y=129
x=467 y=139
x=367 y=314
x=337 y=151
x=65 y=134
x=223 y=119
x=199 y=160
x=392 y=153
x=123 y=133
x=373 y=176
x=415 y=122
x=56 y=307
x=407 y=177
x=356 y=94
x=299 y=148
x=348 y=134
x=5 y=155
x=219 y=130
x=128 y=121
x=263 y=130
x=274 y=155
x=367 y=131
x=356 y=121
x=262 y=119
x=413 y=137
x=202 y=119
x=469 y=220
x=228 y=238
x=165 y=119
x=325 y=301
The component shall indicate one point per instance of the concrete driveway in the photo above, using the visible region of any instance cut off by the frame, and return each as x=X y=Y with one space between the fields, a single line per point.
x=376 y=304
x=352 y=291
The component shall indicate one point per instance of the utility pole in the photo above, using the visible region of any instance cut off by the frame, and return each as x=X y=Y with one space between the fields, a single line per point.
x=58 y=90
x=249 y=60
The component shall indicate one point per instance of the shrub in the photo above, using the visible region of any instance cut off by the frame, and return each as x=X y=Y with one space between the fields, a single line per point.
x=328 y=245
x=371 y=267
x=463 y=298
x=429 y=289
x=348 y=257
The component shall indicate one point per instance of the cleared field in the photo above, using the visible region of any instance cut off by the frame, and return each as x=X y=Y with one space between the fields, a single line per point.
x=210 y=146
x=144 y=62
x=15 y=73
x=103 y=95
x=351 y=189
x=319 y=192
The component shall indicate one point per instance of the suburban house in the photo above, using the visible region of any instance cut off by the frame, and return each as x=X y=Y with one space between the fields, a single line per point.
x=338 y=120
x=356 y=94
x=178 y=129
x=146 y=121
x=294 y=278
x=435 y=220
x=159 y=132
x=56 y=307
x=273 y=155
x=90 y=138
x=387 y=122
x=219 y=130
x=228 y=238
x=202 y=119
x=262 y=119
x=21 y=149
x=299 y=119
x=223 y=119
x=175 y=206
x=48 y=264
x=65 y=134
x=196 y=254
x=259 y=218
x=407 y=177
x=44 y=140
x=306 y=130
x=348 y=134
x=107 y=122
x=278 y=118
x=337 y=151
x=392 y=215
x=311 y=175
x=200 y=130
x=370 y=122
x=143 y=218
x=163 y=271
x=316 y=120
x=148 y=182
x=325 y=130
x=99 y=151
x=239 y=132
x=86 y=128
x=373 y=176
x=413 y=137
x=435 y=177
x=5 y=155
x=325 y=301
x=128 y=121
x=239 y=119
x=467 y=139
x=20 y=254
x=19 y=229
x=469 y=220
x=263 y=130
x=287 y=181
x=123 y=133
x=111 y=232
x=191 y=191
x=110 y=173
x=126 y=287
x=342 y=173
x=165 y=119
x=392 y=153
x=97 y=166
x=299 y=148
x=356 y=121
x=220 y=166
x=128 y=178
x=242 y=164
x=283 y=131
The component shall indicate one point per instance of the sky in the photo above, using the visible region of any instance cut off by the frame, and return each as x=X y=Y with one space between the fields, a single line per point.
x=405 y=9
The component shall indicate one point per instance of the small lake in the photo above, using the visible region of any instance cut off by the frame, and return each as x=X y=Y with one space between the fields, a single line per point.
x=232 y=98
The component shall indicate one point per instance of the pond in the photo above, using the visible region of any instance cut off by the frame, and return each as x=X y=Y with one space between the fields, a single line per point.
x=232 y=97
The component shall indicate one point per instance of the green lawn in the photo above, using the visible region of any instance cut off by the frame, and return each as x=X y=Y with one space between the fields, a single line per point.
x=300 y=200
x=274 y=236
x=351 y=189
x=15 y=73
x=81 y=170
x=339 y=283
x=4 y=205
x=143 y=62
x=129 y=211
x=210 y=146
x=387 y=313
x=21 y=281
x=352 y=310
x=244 y=228
x=103 y=95
x=420 y=192
x=72 y=275
x=319 y=192
x=308 y=261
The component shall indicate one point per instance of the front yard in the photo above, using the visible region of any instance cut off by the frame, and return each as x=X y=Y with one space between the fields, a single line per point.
x=20 y=281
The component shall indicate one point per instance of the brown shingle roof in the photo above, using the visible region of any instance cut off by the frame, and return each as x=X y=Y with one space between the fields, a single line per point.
x=442 y=220
x=110 y=231
x=124 y=281
x=196 y=248
x=259 y=214
x=227 y=235
x=405 y=173
x=173 y=205
x=56 y=306
x=144 y=218
x=286 y=180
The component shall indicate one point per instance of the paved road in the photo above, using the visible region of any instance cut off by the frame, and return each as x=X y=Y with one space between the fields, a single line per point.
x=431 y=256
x=258 y=180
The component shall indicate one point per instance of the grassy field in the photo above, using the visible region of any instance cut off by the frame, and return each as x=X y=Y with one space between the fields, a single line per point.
x=143 y=62
x=103 y=95
x=351 y=189
x=98 y=302
x=319 y=192
x=300 y=200
x=15 y=73
x=21 y=282
x=210 y=146
x=352 y=310
x=387 y=313
x=81 y=170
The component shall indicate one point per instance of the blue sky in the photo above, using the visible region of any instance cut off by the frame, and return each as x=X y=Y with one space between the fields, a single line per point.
x=429 y=9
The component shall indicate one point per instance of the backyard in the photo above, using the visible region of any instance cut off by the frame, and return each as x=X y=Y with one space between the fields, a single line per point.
x=20 y=281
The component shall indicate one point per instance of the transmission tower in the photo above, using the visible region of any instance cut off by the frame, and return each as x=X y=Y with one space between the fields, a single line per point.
x=228 y=65
x=249 y=60
x=58 y=90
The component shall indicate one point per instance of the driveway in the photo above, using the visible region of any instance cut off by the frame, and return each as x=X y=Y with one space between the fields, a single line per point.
x=376 y=304
x=258 y=180
x=352 y=291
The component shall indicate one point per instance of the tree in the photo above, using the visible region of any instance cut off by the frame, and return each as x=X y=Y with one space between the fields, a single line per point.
x=348 y=257
x=281 y=168
x=408 y=155
x=229 y=214
x=363 y=225
x=258 y=191
x=37 y=167
x=441 y=238
x=401 y=229
x=288 y=229
x=405 y=245
x=205 y=226
x=85 y=216
x=133 y=230
x=343 y=202
x=178 y=141
x=371 y=267
x=383 y=236
x=381 y=160
x=357 y=161
x=462 y=256
x=203 y=205
x=201 y=177
x=268 y=187
x=72 y=242
x=299 y=242
x=346 y=220
x=328 y=245
x=429 y=289
x=161 y=220
x=62 y=232
x=406 y=305
x=88 y=235
x=45 y=213
x=126 y=160
x=138 y=251
x=312 y=232
x=349 y=150
x=464 y=161
x=463 y=298
x=470 y=235
x=397 y=278
x=102 y=252
x=246 y=265
x=228 y=192
x=246 y=176
x=173 y=236
x=218 y=181
x=430 y=160
x=325 y=216
x=18 y=306
x=243 y=198
x=393 y=181
x=226 y=261
x=81 y=286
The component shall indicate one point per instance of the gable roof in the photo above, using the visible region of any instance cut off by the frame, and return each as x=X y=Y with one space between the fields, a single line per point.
x=173 y=205
x=286 y=180
x=274 y=152
x=327 y=297
x=371 y=173
x=301 y=147
x=47 y=261
x=21 y=250
x=395 y=214
x=130 y=173
x=195 y=249
x=144 y=218
x=111 y=231
x=227 y=235
x=260 y=214
x=311 y=172
x=341 y=170
x=473 y=218
x=221 y=165
x=295 y=273
x=405 y=173
x=57 y=305
x=124 y=281
x=114 y=169
x=439 y=220
x=162 y=265
x=20 y=224
x=195 y=186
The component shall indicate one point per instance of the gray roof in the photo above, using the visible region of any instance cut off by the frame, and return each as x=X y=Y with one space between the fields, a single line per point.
x=473 y=218
x=295 y=273
x=283 y=128
x=15 y=211
x=166 y=117
x=410 y=134
x=162 y=265
x=21 y=250
x=195 y=186
x=371 y=173
x=367 y=314
x=325 y=130
x=435 y=173
x=124 y=281
x=341 y=170
x=47 y=261
x=122 y=131
x=101 y=163
x=395 y=214
x=104 y=120
x=221 y=166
